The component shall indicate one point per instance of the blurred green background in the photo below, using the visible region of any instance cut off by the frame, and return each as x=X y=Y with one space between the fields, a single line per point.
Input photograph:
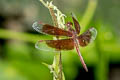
x=19 y=60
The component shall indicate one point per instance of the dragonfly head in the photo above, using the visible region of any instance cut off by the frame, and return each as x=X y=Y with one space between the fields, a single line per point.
x=69 y=25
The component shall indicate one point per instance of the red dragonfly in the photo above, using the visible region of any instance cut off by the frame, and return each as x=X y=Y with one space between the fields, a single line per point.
x=72 y=42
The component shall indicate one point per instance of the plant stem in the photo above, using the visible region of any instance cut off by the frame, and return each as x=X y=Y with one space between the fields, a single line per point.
x=57 y=63
x=88 y=15
x=60 y=65
x=53 y=17
x=28 y=37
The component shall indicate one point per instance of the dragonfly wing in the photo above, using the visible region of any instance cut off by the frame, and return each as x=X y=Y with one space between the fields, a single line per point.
x=53 y=45
x=87 y=37
x=76 y=24
x=41 y=45
x=51 y=30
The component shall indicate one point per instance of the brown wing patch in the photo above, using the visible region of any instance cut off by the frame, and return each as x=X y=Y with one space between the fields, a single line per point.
x=85 y=38
x=51 y=30
x=48 y=29
x=65 y=44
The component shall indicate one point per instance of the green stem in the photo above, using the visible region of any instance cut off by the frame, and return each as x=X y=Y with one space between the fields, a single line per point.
x=88 y=15
x=56 y=66
x=57 y=63
x=9 y=34
x=60 y=66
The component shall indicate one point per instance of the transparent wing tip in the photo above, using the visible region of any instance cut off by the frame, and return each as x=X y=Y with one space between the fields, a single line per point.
x=37 y=45
x=37 y=26
x=41 y=45
x=94 y=34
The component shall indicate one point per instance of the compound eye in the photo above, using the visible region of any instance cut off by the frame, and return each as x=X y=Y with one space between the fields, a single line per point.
x=69 y=24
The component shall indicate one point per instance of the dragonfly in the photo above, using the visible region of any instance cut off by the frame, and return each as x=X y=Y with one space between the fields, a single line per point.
x=74 y=40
